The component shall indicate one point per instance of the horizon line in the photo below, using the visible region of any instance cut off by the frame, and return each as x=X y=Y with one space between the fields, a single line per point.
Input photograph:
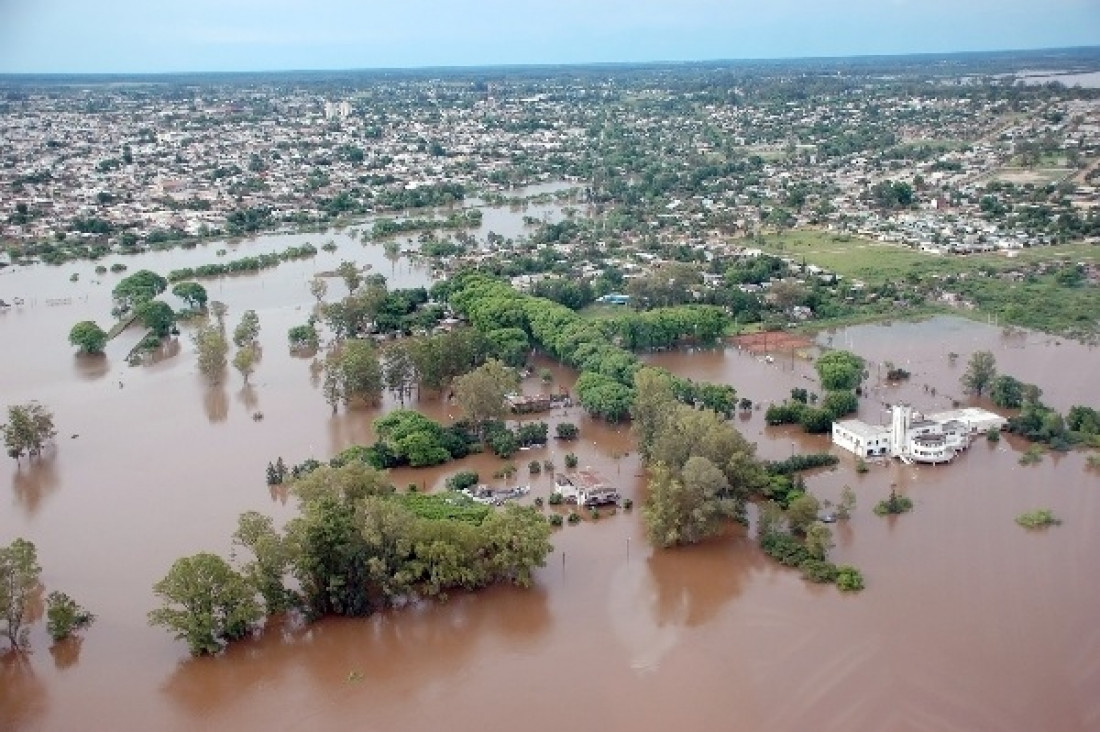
x=556 y=65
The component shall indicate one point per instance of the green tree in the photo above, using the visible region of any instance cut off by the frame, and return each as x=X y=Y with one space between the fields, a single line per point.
x=349 y=272
x=191 y=293
x=481 y=392
x=1006 y=392
x=28 y=429
x=819 y=540
x=353 y=373
x=139 y=287
x=245 y=361
x=688 y=508
x=654 y=405
x=206 y=603
x=19 y=573
x=64 y=615
x=839 y=370
x=980 y=371
x=213 y=348
x=88 y=337
x=318 y=288
x=847 y=503
x=840 y=403
x=248 y=330
x=157 y=316
x=802 y=513
x=271 y=559
x=398 y=371
x=848 y=578
x=303 y=337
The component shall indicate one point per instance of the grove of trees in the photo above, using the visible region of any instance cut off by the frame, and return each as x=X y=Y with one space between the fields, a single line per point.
x=355 y=548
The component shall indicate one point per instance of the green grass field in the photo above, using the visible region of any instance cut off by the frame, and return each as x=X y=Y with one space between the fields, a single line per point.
x=875 y=262
x=1042 y=304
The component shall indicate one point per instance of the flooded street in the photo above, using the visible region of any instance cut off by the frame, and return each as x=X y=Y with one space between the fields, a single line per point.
x=968 y=621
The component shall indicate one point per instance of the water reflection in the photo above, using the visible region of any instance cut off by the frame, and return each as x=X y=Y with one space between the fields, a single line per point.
x=215 y=402
x=91 y=366
x=678 y=589
x=248 y=397
x=397 y=653
x=23 y=697
x=66 y=653
x=34 y=479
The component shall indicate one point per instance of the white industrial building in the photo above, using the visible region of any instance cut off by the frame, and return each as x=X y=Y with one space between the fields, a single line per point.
x=915 y=437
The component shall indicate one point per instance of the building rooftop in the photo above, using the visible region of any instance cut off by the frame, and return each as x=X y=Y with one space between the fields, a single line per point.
x=862 y=429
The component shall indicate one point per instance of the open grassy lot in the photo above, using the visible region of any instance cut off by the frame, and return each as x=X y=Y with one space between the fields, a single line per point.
x=1038 y=302
x=1039 y=176
x=876 y=262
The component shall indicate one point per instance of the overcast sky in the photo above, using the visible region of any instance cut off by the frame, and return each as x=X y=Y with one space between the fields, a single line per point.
x=243 y=35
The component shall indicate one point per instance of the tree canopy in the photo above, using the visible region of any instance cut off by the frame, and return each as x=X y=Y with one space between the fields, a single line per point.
x=139 y=287
x=980 y=372
x=28 y=429
x=206 y=603
x=19 y=573
x=839 y=370
x=88 y=337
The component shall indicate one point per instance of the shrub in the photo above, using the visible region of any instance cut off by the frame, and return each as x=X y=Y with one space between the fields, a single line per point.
x=861 y=465
x=993 y=434
x=505 y=471
x=574 y=517
x=817 y=570
x=504 y=443
x=554 y=519
x=63 y=616
x=548 y=466
x=555 y=499
x=595 y=513
x=539 y=502
x=464 y=479
x=785 y=549
x=567 y=431
x=1038 y=519
x=894 y=504
x=796 y=463
x=534 y=467
x=570 y=460
x=848 y=578
x=1032 y=455
x=628 y=503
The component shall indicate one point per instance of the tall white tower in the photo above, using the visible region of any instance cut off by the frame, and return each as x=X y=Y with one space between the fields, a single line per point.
x=901 y=418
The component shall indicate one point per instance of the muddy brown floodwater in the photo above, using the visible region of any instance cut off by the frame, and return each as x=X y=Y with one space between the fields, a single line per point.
x=968 y=621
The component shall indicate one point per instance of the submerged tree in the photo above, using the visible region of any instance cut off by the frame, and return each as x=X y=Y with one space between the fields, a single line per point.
x=28 y=429
x=248 y=330
x=19 y=572
x=88 y=337
x=481 y=392
x=353 y=373
x=206 y=603
x=212 y=347
x=980 y=372
x=686 y=508
x=191 y=293
x=64 y=615
x=245 y=361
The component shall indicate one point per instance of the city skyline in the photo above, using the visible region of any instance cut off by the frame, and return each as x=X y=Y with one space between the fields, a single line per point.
x=125 y=36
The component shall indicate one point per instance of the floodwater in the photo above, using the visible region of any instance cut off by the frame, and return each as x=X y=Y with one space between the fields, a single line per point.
x=968 y=622
x=1087 y=79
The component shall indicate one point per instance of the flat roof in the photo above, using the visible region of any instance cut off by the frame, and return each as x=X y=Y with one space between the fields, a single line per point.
x=967 y=415
x=863 y=429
